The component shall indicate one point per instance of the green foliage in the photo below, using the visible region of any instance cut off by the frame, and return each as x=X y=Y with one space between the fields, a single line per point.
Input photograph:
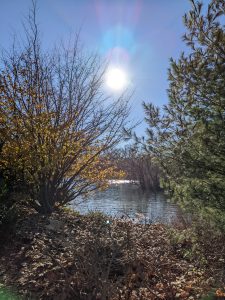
x=210 y=296
x=187 y=244
x=5 y=294
x=188 y=136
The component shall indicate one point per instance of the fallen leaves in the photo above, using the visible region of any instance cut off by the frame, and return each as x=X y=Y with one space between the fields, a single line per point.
x=85 y=257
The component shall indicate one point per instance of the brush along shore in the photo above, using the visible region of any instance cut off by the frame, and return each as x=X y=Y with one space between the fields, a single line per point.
x=70 y=256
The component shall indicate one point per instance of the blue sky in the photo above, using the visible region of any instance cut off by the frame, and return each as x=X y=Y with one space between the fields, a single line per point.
x=138 y=35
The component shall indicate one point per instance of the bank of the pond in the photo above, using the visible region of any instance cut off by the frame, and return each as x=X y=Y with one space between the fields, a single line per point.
x=70 y=256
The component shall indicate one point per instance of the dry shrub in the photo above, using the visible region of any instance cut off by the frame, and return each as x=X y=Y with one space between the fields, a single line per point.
x=92 y=257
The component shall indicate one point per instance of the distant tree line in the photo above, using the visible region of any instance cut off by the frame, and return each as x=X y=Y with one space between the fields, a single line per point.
x=137 y=165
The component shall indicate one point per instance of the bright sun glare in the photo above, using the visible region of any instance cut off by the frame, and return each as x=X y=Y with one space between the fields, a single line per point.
x=116 y=79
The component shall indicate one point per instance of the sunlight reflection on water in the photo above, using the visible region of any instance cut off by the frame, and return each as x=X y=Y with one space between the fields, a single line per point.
x=128 y=200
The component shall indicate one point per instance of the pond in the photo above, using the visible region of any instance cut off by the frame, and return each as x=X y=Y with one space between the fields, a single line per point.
x=126 y=199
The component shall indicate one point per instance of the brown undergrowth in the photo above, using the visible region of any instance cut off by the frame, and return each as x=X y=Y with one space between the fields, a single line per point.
x=69 y=256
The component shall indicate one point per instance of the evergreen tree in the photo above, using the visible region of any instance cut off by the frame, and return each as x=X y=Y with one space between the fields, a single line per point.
x=188 y=135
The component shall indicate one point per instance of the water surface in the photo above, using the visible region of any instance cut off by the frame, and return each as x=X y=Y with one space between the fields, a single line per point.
x=128 y=200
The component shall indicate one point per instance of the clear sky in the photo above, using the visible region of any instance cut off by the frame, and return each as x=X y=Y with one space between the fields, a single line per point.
x=137 y=35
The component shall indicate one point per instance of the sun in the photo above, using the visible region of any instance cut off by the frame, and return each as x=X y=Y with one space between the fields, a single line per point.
x=116 y=79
